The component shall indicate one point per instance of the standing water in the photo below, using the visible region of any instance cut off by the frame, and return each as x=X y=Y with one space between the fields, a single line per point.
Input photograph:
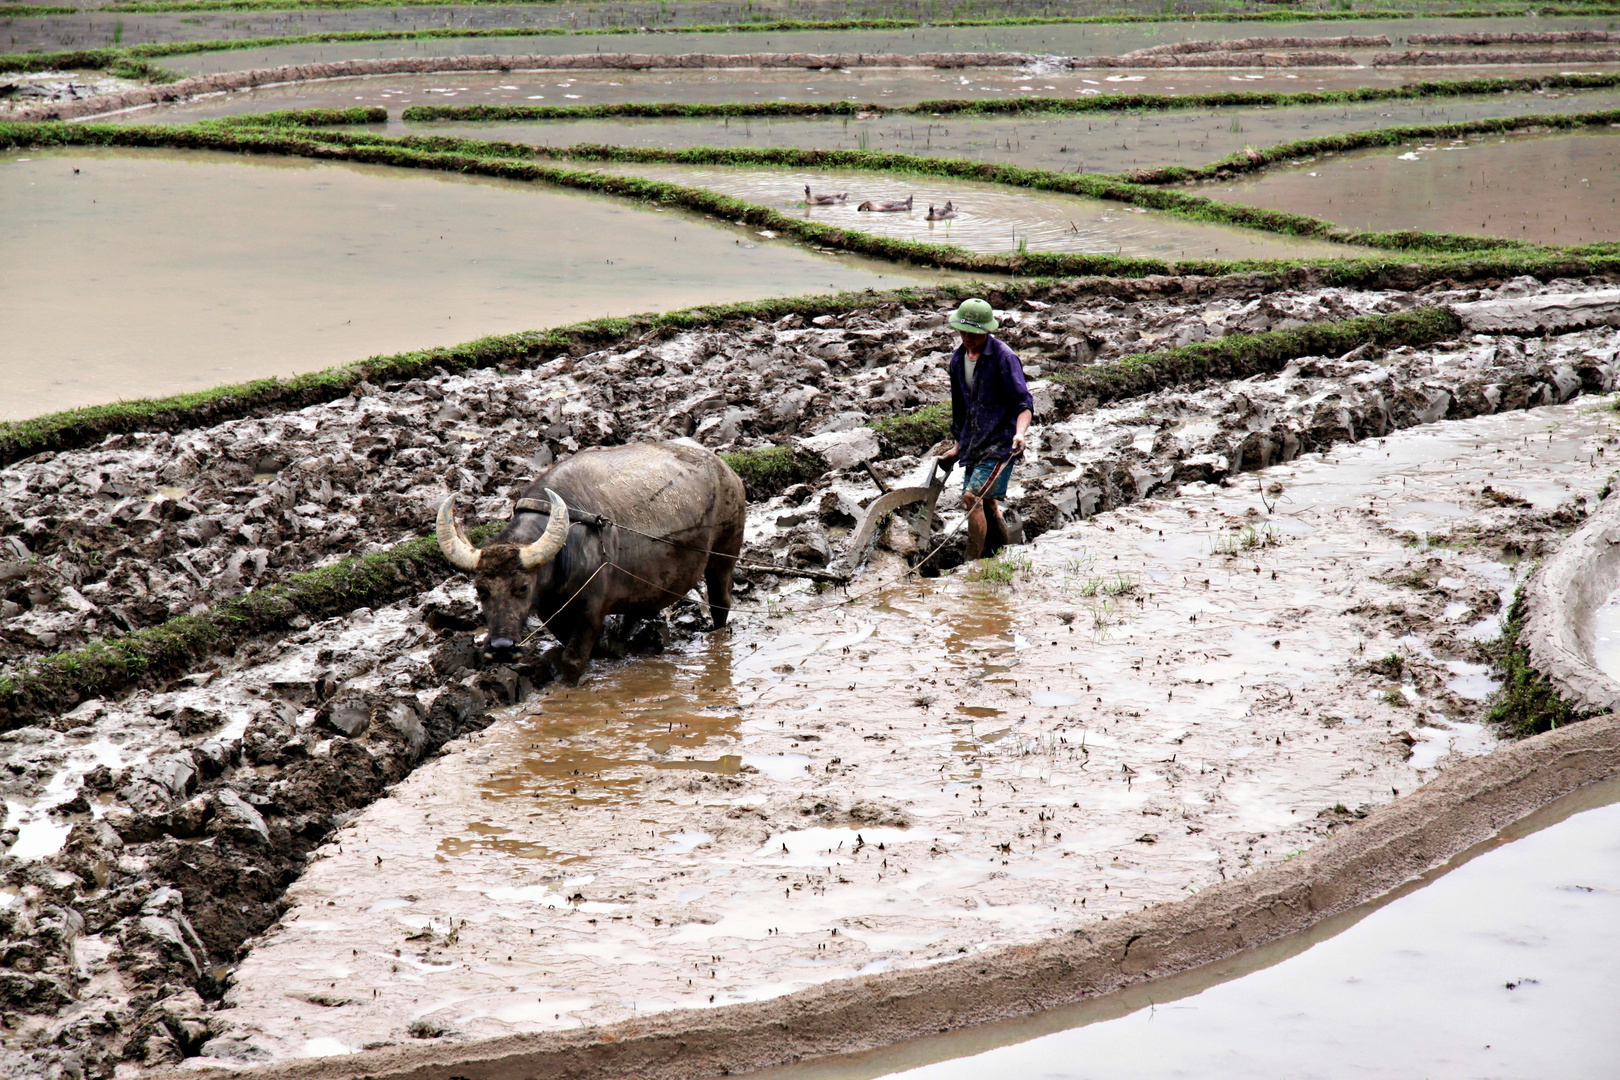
x=203 y=269
x=1547 y=189
x=1499 y=964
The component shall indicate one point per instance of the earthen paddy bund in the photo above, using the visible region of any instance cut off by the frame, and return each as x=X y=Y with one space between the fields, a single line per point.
x=1282 y=682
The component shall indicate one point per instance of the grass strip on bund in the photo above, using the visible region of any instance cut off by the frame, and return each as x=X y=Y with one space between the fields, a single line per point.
x=158 y=7
x=127 y=57
x=1236 y=356
x=1102 y=103
x=58 y=683
x=1527 y=703
x=306 y=118
x=143 y=657
x=1252 y=160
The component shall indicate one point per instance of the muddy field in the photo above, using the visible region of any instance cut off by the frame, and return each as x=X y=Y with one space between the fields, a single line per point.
x=225 y=785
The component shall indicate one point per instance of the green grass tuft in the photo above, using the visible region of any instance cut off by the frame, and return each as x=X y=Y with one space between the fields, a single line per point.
x=1527 y=703
x=916 y=430
x=771 y=470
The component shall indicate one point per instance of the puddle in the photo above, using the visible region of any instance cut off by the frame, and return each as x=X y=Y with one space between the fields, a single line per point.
x=1548 y=189
x=1106 y=142
x=213 y=268
x=1496 y=965
x=991 y=218
x=1606 y=638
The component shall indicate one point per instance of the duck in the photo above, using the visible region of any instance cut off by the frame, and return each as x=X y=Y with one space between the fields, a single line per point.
x=824 y=200
x=888 y=206
x=944 y=212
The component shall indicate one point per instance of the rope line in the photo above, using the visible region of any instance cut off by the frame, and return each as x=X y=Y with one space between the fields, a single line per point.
x=545 y=625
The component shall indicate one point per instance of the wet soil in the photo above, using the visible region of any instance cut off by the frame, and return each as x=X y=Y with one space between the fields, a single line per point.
x=1101 y=143
x=991 y=218
x=873 y=86
x=96 y=31
x=197 y=285
x=616 y=850
x=150 y=837
x=1492 y=966
x=180 y=520
x=1548 y=189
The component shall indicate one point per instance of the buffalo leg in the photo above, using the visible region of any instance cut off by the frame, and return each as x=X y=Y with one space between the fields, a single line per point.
x=576 y=655
x=717 y=581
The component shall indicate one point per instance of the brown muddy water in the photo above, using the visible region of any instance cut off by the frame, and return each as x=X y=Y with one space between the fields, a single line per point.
x=1108 y=142
x=141 y=273
x=1498 y=964
x=991 y=217
x=942 y=767
x=1551 y=189
x=881 y=87
x=90 y=30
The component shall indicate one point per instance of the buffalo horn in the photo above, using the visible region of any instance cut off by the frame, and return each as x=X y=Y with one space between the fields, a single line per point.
x=452 y=541
x=543 y=550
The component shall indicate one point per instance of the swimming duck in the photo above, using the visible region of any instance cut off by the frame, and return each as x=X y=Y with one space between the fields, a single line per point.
x=823 y=200
x=889 y=206
x=944 y=212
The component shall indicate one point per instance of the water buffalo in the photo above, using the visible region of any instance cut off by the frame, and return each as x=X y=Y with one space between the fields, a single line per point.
x=569 y=556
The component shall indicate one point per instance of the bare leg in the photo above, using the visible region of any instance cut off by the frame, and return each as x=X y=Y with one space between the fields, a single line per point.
x=995 y=527
x=976 y=525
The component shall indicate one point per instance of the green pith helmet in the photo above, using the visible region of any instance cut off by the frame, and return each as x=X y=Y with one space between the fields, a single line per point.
x=974 y=317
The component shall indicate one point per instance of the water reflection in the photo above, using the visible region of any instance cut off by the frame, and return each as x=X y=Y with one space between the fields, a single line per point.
x=576 y=746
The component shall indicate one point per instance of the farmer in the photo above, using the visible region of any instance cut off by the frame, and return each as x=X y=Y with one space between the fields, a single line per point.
x=990 y=412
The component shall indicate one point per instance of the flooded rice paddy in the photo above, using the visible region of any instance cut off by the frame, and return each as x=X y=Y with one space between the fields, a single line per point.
x=990 y=217
x=208 y=269
x=1550 y=189
x=1104 y=142
x=1496 y=965
x=96 y=30
x=944 y=768
x=880 y=87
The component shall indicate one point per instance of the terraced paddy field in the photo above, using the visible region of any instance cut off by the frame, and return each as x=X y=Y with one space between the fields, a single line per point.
x=92 y=29
x=1547 y=189
x=288 y=266
x=1105 y=142
x=1284 y=720
x=989 y=218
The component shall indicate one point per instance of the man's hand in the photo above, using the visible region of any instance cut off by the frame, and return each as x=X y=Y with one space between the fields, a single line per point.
x=1020 y=428
x=948 y=451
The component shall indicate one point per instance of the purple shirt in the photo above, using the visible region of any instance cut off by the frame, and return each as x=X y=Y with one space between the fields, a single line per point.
x=984 y=416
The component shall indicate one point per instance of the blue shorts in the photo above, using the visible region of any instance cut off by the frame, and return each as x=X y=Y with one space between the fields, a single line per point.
x=980 y=473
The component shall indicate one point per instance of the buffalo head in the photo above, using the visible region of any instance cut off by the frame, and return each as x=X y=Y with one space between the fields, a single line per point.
x=506 y=576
